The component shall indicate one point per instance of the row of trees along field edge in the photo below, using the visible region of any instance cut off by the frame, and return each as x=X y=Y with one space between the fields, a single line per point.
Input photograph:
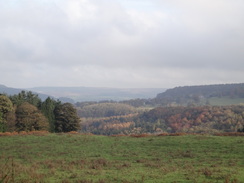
x=27 y=112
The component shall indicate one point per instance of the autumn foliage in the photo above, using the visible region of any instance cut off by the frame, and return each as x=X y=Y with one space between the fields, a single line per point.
x=201 y=119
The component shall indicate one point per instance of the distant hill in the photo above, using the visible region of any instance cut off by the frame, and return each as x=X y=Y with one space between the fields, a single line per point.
x=13 y=91
x=79 y=94
x=204 y=94
x=219 y=94
x=9 y=91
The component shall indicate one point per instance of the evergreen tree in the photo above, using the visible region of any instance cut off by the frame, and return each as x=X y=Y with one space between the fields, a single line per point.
x=66 y=118
x=24 y=96
x=47 y=108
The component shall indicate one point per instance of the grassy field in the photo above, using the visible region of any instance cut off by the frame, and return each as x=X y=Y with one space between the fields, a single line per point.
x=225 y=101
x=101 y=159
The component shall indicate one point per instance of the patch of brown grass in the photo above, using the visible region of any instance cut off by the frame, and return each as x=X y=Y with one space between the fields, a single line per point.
x=38 y=133
x=230 y=134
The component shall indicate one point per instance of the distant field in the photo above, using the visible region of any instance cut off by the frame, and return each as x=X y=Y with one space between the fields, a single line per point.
x=225 y=101
x=101 y=159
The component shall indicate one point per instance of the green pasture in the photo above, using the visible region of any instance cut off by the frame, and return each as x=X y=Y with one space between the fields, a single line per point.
x=101 y=159
x=222 y=101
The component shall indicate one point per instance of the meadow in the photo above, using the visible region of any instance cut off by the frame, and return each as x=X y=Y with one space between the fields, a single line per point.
x=225 y=101
x=88 y=158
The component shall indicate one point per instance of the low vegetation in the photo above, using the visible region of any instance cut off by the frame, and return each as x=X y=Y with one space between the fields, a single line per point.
x=44 y=157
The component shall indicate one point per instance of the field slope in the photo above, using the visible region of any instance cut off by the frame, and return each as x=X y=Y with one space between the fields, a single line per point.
x=85 y=159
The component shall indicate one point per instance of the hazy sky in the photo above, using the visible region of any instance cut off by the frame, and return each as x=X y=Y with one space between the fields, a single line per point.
x=121 y=43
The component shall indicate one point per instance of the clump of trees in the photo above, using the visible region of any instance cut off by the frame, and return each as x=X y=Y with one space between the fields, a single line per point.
x=6 y=107
x=27 y=112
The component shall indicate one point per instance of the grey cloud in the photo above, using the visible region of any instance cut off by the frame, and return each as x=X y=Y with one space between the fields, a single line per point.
x=93 y=42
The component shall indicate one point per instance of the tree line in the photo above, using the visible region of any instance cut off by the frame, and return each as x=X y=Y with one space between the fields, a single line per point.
x=97 y=110
x=27 y=112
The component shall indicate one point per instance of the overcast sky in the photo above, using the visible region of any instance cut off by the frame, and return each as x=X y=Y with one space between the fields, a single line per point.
x=121 y=43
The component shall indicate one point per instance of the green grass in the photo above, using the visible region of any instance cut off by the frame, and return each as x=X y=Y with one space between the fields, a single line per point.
x=84 y=159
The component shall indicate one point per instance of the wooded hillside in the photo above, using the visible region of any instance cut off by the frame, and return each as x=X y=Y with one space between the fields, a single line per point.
x=201 y=119
x=206 y=119
x=199 y=95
